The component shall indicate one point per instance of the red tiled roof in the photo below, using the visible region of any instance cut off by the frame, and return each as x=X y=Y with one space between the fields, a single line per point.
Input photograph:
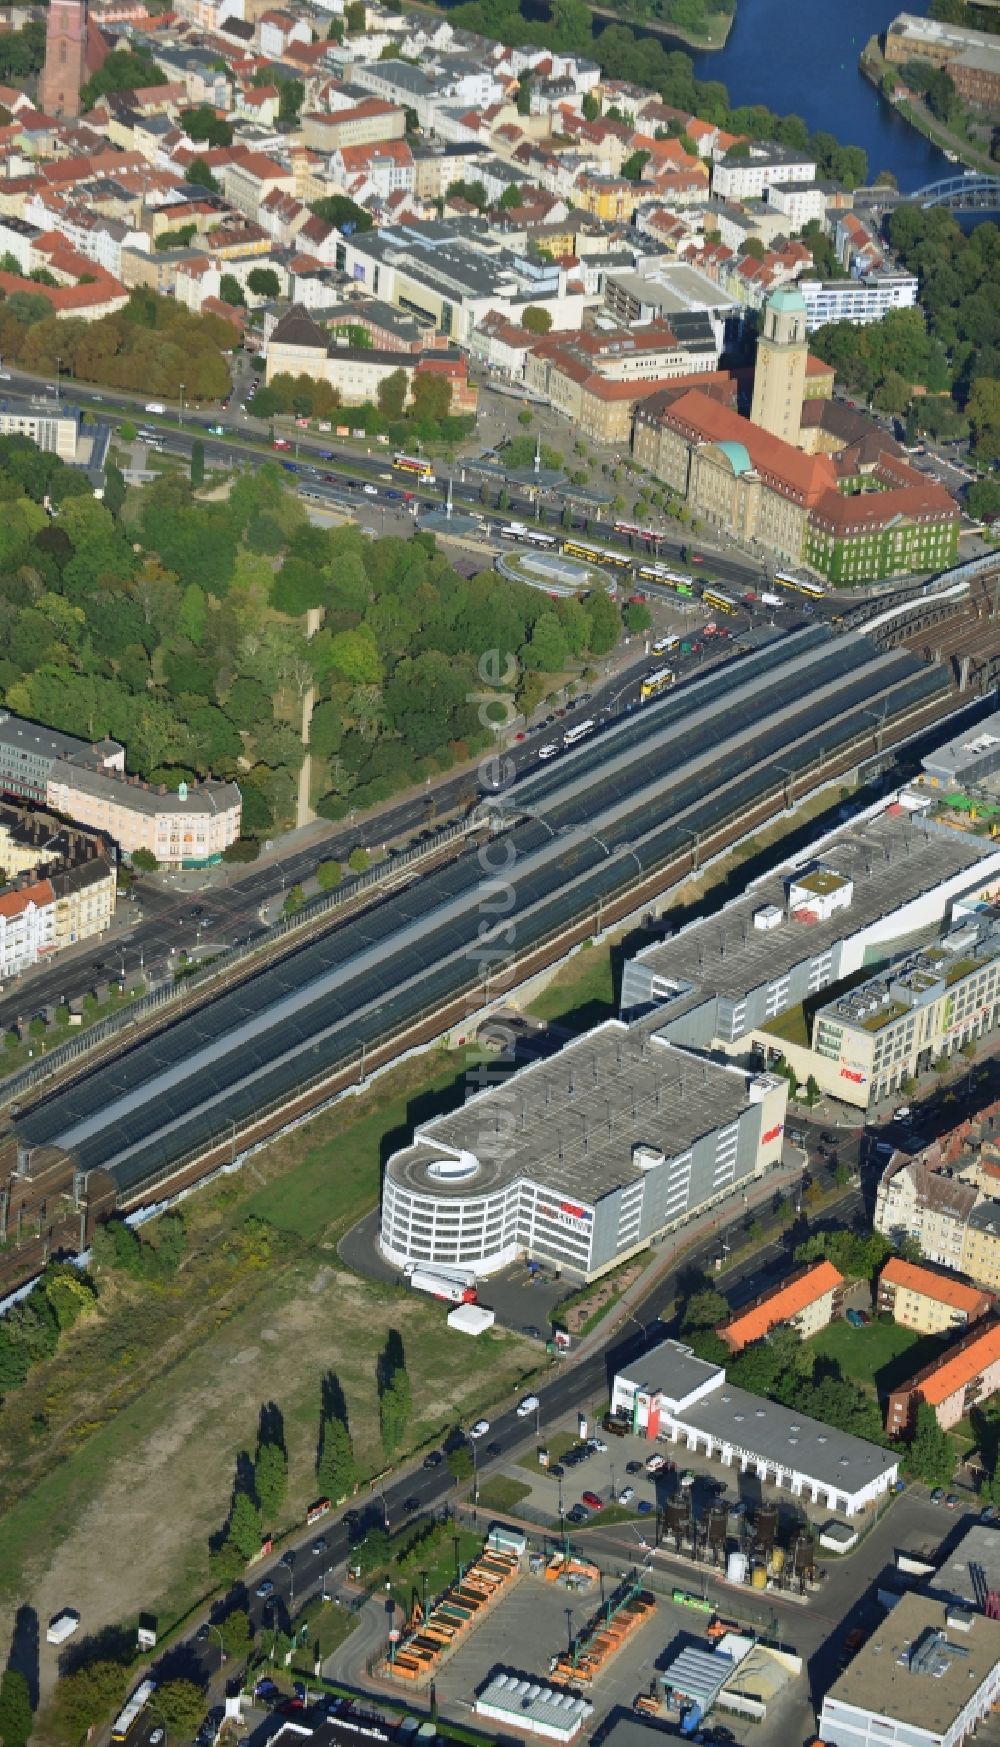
x=944 y=1288
x=803 y=477
x=954 y=1373
x=780 y=1305
x=16 y=902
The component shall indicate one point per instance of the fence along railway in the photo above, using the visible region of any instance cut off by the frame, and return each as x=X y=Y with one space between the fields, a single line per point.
x=625 y=817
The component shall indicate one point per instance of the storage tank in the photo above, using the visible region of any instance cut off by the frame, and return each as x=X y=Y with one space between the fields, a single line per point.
x=765 y=1527
x=759 y=1578
x=776 y=1563
x=718 y=1522
x=736 y=1568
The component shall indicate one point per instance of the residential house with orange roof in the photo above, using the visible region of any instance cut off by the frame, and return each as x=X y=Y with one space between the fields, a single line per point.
x=927 y=1299
x=808 y=1301
x=965 y=1376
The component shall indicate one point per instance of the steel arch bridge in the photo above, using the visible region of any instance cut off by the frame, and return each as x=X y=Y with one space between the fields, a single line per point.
x=968 y=193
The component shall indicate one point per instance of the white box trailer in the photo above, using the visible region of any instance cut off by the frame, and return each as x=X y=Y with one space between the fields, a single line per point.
x=62 y=1627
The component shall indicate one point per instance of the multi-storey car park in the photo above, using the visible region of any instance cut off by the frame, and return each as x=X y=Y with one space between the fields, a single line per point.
x=582 y=1158
x=618 y=809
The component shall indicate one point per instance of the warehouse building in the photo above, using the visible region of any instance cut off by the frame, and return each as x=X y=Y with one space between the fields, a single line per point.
x=923 y=1299
x=580 y=1159
x=670 y=1394
x=928 y=1674
x=871 y=891
x=807 y=1302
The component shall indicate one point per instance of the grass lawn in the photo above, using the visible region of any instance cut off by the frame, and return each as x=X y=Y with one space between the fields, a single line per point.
x=880 y=1355
x=503 y=1493
x=151 y=1399
x=582 y=993
x=557 y=1445
x=329 y=1626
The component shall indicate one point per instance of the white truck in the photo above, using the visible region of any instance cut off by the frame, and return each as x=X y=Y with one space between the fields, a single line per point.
x=62 y=1627
x=771 y=600
x=155 y=406
x=452 y=1291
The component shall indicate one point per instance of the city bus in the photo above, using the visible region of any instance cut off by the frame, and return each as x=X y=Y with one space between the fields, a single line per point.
x=655 y=683
x=719 y=602
x=596 y=554
x=580 y=732
x=415 y=464
x=800 y=585
x=663 y=645
x=132 y=1710
x=672 y=579
x=536 y=537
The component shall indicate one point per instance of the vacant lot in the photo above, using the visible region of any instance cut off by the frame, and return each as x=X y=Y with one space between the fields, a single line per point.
x=881 y=1355
x=129 y=1438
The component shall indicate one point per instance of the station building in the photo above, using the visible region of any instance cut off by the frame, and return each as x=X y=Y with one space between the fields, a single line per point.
x=671 y=1395
x=582 y=1158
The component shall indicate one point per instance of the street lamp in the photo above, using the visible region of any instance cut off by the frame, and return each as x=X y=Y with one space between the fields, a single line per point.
x=58 y=363
x=181 y=401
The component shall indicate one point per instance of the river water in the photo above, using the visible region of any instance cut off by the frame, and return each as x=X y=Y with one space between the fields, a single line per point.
x=801 y=57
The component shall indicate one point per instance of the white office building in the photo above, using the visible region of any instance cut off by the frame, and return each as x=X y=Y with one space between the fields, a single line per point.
x=925 y=1677
x=860 y=301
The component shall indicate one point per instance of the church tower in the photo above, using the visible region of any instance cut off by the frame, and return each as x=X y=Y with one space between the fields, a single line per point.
x=780 y=376
x=65 y=55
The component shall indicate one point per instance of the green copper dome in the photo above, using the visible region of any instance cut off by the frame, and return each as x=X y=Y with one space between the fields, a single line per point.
x=737 y=457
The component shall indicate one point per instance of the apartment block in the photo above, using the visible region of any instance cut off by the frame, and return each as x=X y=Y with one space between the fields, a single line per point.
x=807 y=1302
x=920 y=1198
x=981 y=1246
x=966 y=1375
x=59 y=886
x=189 y=828
x=927 y=1301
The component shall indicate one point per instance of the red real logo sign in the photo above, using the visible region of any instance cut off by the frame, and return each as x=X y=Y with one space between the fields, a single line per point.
x=772 y=1134
x=854 y=1074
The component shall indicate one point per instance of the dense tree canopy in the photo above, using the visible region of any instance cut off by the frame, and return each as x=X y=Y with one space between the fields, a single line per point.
x=178 y=626
x=152 y=345
x=954 y=354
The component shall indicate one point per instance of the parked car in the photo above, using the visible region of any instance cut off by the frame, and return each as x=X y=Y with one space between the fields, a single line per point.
x=951 y=1501
x=265 y=1589
x=592 y=1500
x=626 y=1495
x=480 y=1428
x=654 y=1464
x=937 y=1495
x=433 y=1459
x=855 y=1318
x=633 y=1467
x=577 y=1515
x=644 y=1506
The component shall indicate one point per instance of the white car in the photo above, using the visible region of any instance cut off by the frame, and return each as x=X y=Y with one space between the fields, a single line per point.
x=370 y=490
x=547 y=751
x=626 y=1495
x=480 y=1428
x=655 y=1463
x=527 y=1406
x=599 y=1447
